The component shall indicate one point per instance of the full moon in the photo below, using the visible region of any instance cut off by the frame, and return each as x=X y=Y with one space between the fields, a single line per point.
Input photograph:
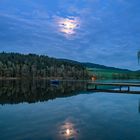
x=68 y=26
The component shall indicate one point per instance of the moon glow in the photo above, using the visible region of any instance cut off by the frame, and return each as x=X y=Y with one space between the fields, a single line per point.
x=68 y=26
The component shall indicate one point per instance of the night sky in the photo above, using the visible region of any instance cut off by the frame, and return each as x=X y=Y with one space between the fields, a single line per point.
x=99 y=31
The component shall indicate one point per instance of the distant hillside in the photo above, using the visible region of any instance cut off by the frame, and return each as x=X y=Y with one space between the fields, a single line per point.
x=105 y=72
x=97 y=66
x=92 y=65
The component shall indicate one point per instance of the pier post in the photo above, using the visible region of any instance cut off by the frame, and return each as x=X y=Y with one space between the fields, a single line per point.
x=95 y=87
x=87 y=86
x=120 y=88
x=128 y=88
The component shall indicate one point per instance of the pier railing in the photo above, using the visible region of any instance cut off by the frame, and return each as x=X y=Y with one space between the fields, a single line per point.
x=113 y=87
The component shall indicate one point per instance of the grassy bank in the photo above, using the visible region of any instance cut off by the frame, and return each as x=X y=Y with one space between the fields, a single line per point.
x=113 y=74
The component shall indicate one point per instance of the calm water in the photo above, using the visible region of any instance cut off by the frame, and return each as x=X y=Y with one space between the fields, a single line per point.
x=36 y=110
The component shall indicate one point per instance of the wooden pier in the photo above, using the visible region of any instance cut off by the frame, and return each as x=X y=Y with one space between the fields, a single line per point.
x=113 y=87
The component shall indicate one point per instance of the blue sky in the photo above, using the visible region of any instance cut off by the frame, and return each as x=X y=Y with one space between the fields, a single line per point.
x=100 y=31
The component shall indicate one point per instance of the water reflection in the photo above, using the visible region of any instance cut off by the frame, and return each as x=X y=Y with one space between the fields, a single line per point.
x=17 y=91
x=139 y=105
x=68 y=131
x=96 y=116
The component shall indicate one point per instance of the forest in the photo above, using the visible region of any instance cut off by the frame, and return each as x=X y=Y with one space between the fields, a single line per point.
x=15 y=65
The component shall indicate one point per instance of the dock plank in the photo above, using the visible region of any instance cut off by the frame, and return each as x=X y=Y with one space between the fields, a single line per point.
x=117 y=85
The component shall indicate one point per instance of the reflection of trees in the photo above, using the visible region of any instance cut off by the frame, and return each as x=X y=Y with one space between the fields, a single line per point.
x=16 y=91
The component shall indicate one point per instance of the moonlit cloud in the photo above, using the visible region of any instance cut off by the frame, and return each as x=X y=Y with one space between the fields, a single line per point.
x=67 y=26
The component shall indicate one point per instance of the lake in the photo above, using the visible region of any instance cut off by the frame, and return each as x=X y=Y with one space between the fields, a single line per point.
x=37 y=110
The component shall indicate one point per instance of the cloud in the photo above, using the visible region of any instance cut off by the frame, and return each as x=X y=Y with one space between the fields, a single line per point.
x=83 y=30
x=67 y=26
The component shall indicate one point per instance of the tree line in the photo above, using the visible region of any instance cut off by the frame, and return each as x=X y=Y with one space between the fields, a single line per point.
x=39 y=66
